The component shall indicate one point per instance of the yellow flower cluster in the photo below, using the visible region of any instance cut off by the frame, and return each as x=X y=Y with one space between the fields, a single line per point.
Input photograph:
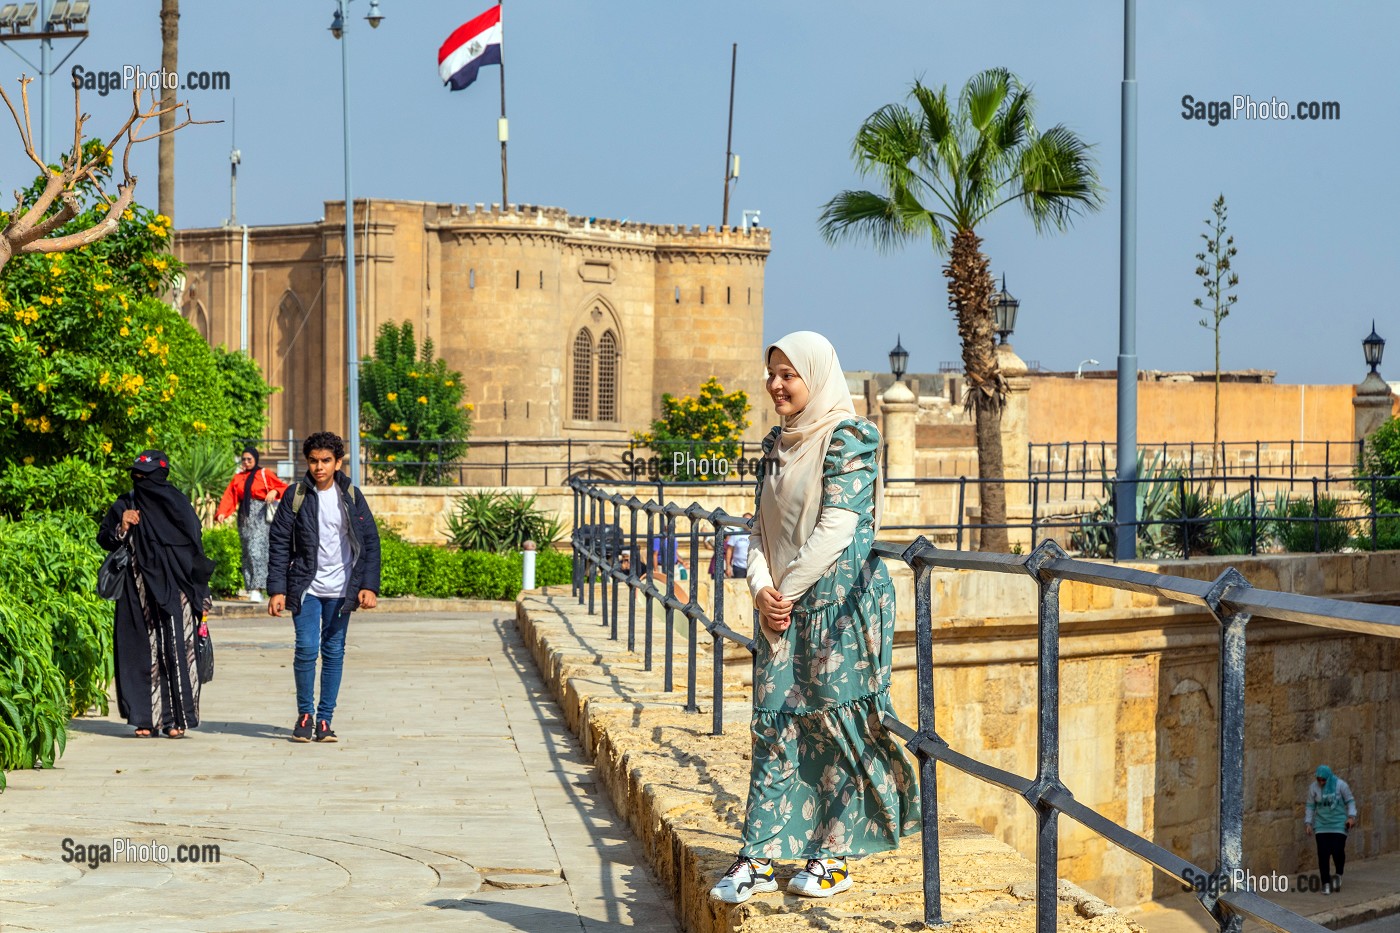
x=392 y=396
x=422 y=400
x=160 y=226
x=199 y=425
x=40 y=425
x=131 y=383
x=27 y=315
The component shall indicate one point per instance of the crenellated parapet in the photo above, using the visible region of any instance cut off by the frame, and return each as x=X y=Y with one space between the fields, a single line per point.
x=670 y=242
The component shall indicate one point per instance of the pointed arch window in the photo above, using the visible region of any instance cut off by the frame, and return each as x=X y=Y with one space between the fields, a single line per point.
x=607 y=377
x=583 y=377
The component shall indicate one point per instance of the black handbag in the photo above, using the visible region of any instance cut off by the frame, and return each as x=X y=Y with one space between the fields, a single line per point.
x=113 y=572
x=204 y=653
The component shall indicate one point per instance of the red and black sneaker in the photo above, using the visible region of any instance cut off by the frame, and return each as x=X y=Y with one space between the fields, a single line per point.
x=324 y=733
x=301 y=732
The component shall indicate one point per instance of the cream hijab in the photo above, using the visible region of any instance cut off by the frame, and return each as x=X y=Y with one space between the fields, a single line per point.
x=792 y=484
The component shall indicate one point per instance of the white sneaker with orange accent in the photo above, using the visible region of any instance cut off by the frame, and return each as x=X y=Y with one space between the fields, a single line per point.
x=822 y=877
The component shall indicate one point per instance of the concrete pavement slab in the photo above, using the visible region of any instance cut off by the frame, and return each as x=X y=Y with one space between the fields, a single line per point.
x=453 y=761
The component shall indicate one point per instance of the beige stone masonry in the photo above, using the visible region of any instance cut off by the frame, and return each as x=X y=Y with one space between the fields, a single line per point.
x=682 y=792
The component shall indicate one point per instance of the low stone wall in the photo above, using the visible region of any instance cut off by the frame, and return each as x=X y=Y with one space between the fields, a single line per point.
x=1139 y=711
x=682 y=791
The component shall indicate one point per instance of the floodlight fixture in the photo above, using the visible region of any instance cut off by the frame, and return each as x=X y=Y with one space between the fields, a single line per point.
x=58 y=13
x=26 y=16
x=8 y=13
x=78 y=12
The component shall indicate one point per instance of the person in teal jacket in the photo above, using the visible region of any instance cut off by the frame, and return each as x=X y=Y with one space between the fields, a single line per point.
x=1331 y=811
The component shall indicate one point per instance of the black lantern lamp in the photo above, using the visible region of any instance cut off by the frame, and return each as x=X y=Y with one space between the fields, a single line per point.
x=1374 y=347
x=899 y=360
x=1004 y=311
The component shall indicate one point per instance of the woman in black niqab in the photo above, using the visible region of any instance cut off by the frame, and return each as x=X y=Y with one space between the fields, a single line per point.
x=162 y=602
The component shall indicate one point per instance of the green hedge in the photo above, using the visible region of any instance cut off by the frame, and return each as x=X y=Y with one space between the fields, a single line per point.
x=55 y=635
x=223 y=547
x=443 y=573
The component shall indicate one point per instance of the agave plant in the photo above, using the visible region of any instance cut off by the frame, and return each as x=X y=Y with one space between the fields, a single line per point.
x=201 y=470
x=1155 y=487
x=492 y=521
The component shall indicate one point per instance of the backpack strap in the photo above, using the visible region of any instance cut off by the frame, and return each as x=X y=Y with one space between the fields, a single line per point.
x=298 y=496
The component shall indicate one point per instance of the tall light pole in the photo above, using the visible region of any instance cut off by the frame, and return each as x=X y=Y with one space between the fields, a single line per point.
x=352 y=325
x=63 y=23
x=1125 y=489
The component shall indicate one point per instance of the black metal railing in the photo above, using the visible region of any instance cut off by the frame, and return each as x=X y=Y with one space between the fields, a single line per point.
x=1082 y=465
x=522 y=462
x=1229 y=599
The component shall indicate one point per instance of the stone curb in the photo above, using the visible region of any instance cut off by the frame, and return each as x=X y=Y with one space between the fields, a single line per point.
x=240 y=609
x=1353 y=914
x=687 y=822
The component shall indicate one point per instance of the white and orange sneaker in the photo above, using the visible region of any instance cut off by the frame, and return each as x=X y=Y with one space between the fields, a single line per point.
x=822 y=877
x=745 y=878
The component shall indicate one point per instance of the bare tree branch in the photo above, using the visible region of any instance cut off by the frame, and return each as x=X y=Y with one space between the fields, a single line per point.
x=30 y=233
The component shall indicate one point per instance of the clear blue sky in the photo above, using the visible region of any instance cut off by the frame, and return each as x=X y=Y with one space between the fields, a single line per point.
x=618 y=109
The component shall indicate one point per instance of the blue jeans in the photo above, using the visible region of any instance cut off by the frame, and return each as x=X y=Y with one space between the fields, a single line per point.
x=321 y=627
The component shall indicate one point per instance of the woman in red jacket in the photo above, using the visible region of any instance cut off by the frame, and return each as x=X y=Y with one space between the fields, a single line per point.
x=252 y=492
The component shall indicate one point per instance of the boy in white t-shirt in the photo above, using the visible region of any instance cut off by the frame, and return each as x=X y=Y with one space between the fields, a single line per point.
x=323 y=563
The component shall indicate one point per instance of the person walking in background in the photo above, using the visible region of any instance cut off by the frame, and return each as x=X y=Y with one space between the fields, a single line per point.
x=323 y=564
x=736 y=552
x=164 y=597
x=1330 y=813
x=828 y=781
x=252 y=492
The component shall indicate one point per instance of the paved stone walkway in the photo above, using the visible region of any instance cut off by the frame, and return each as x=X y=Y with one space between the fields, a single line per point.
x=456 y=798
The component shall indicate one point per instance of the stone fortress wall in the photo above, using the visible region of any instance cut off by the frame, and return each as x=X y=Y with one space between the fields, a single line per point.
x=505 y=294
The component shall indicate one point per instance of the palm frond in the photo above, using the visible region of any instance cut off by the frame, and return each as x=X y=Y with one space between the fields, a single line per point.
x=887 y=222
x=1056 y=179
x=887 y=144
x=983 y=95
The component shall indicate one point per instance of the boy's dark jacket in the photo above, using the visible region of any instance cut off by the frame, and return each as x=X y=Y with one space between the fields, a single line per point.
x=290 y=572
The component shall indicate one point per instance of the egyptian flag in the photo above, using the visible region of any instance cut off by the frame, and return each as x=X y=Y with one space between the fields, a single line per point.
x=474 y=45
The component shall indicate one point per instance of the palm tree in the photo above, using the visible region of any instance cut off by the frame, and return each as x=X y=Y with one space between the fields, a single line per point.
x=170 y=64
x=941 y=173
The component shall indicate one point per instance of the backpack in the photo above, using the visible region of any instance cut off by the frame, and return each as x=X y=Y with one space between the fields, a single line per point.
x=298 y=497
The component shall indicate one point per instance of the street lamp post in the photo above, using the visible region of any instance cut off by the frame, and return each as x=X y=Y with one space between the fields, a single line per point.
x=1125 y=488
x=352 y=326
x=1004 y=308
x=1079 y=373
x=899 y=359
x=1374 y=348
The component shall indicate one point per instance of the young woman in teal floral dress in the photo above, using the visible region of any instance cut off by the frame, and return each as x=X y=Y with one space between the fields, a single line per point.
x=829 y=782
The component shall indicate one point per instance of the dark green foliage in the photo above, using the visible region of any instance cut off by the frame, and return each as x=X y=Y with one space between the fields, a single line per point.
x=247 y=392
x=223 y=547
x=1299 y=533
x=413 y=420
x=1381 y=457
x=55 y=635
x=1189 y=531
x=553 y=568
x=398 y=563
x=200 y=468
x=67 y=485
x=1233 y=528
x=440 y=572
x=492 y=521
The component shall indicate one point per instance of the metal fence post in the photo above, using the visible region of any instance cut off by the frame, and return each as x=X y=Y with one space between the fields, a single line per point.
x=1047 y=775
x=1232 y=669
x=669 y=541
x=1373 y=513
x=692 y=635
x=632 y=576
x=592 y=530
x=651 y=585
x=616 y=557
x=717 y=580
x=928 y=767
x=962 y=507
x=1253 y=515
x=1317 y=528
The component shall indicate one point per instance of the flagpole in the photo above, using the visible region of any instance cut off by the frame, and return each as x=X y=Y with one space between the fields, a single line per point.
x=729 y=140
x=502 y=128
